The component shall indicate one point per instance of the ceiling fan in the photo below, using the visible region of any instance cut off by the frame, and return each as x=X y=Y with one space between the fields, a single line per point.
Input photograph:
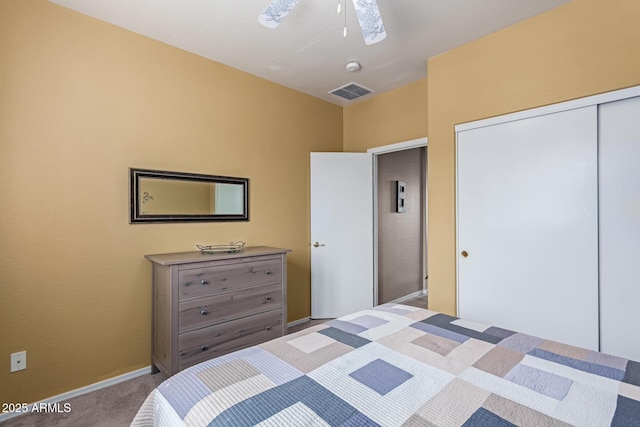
x=367 y=10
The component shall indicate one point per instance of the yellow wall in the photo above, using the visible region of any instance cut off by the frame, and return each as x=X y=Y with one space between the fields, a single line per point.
x=82 y=101
x=582 y=48
x=395 y=116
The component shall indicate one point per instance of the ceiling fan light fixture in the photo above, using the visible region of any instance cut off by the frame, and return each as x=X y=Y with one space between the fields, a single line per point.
x=353 y=66
x=366 y=10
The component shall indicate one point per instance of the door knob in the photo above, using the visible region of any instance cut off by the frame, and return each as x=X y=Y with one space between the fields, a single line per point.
x=316 y=244
x=464 y=254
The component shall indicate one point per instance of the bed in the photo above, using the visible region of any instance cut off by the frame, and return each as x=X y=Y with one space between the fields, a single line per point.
x=397 y=365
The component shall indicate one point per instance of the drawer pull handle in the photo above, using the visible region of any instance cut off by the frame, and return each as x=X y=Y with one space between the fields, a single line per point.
x=268 y=328
x=203 y=311
x=267 y=272
x=267 y=298
x=204 y=348
x=203 y=282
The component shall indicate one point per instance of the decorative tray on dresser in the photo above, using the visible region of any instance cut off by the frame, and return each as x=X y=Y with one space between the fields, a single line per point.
x=206 y=305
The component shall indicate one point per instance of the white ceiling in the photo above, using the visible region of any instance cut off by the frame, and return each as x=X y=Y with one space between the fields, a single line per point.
x=307 y=52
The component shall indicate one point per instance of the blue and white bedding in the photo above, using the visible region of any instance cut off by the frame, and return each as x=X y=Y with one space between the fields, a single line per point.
x=396 y=365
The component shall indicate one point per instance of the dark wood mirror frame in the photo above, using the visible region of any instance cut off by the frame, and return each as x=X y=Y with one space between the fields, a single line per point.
x=139 y=197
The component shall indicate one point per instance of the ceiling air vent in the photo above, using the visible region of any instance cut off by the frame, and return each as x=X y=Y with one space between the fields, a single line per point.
x=351 y=91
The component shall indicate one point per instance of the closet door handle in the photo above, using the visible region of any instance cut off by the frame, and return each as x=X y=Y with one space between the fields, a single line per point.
x=464 y=254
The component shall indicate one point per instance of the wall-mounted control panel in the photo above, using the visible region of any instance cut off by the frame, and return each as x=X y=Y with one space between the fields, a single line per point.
x=401 y=189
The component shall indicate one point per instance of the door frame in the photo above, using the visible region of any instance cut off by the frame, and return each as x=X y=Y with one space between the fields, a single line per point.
x=385 y=149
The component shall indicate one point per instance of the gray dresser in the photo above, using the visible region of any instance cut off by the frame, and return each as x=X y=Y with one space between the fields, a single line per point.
x=208 y=305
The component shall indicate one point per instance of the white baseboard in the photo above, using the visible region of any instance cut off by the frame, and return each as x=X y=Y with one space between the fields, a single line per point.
x=412 y=295
x=83 y=390
x=298 y=322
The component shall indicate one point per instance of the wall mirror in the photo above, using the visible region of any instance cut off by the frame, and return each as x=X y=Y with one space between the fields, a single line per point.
x=163 y=196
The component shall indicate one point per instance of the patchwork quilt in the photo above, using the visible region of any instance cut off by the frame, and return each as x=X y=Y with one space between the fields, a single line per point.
x=396 y=365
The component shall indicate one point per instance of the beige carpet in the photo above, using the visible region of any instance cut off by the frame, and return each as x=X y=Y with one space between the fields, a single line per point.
x=109 y=407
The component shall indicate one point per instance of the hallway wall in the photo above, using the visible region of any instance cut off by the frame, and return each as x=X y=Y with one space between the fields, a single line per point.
x=400 y=253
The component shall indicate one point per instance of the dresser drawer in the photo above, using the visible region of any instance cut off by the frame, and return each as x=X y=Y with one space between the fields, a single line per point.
x=194 y=282
x=206 y=311
x=206 y=343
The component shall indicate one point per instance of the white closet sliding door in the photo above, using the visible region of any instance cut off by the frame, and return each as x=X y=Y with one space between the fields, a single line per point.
x=528 y=226
x=619 y=164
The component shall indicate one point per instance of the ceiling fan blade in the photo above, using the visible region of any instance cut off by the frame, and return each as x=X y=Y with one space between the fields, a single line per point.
x=370 y=21
x=275 y=12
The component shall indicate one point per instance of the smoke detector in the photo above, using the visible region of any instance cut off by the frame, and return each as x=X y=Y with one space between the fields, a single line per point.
x=353 y=66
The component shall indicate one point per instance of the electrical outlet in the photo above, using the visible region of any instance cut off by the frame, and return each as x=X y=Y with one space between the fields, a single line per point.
x=18 y=361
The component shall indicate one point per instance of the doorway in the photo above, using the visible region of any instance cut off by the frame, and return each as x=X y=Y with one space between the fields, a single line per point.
x=400 y=222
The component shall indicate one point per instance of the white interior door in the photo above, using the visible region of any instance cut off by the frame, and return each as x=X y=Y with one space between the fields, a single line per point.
x=341 y=233
x=527 y=226
x=619 y=164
